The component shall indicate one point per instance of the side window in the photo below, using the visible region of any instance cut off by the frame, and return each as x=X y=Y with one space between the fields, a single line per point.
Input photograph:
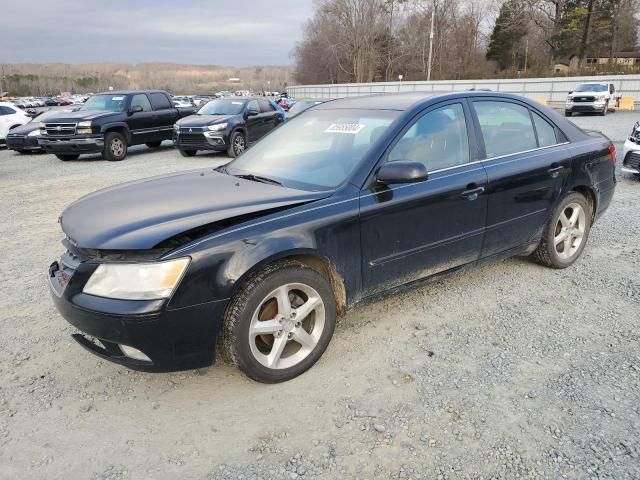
x=141 y=100
x=546 y=131
x=506 y=128
x=253 y=105
x=160 y=101
x=266 y=107
x=438 y=139
x=6 y=111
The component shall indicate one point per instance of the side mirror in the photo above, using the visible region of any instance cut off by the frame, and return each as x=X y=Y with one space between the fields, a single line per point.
x=136 y=109
x=401 y=172
x=570 y=92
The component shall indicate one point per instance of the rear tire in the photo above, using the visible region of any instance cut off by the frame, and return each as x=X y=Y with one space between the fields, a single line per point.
x=67 y=156
x=280 y=323
x=566 y=233
x=115 y=147
x=567 y=113
x=154 y=144
x=187 y=153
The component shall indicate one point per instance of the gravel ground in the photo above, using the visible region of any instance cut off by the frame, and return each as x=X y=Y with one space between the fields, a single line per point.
x=507 y=371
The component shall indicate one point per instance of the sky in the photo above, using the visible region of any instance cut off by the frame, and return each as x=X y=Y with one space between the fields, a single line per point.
x=215 y=32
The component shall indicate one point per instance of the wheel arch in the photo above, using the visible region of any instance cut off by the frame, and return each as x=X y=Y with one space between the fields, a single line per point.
x=117 y=127
x=310 y=258
x=590 y=195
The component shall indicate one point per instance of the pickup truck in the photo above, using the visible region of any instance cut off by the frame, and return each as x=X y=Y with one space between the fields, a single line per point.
x=597 y=97
x=109 y=123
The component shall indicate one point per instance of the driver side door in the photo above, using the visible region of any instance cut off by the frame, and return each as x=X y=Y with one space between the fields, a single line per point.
x=412 y=231
x=142 y=125
x=254 y=121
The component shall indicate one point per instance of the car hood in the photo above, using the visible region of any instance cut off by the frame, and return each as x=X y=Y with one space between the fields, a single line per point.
x=25 y=129
x=72 y=117
x=202 y=120
x=141 y=214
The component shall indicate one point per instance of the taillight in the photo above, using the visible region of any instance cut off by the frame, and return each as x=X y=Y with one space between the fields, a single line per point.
x=612 y=153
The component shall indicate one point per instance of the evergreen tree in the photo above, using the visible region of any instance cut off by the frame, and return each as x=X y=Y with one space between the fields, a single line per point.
x=509 y=29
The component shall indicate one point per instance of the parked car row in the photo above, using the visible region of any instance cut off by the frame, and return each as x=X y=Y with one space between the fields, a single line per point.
x=354 y=199
x=109 y=123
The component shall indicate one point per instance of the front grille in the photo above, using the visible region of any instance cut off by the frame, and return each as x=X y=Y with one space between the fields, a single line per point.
x=186 y=130
x=192 y=140
x=60 y=129
x=633 y=160
x=15 y=142
x=584 y=99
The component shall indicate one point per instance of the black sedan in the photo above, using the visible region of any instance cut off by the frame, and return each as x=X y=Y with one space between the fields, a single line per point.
x=24 y=138
x=351 y=200
x=230 y=124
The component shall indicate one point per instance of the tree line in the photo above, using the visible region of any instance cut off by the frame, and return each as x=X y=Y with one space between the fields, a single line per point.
x=379 y=40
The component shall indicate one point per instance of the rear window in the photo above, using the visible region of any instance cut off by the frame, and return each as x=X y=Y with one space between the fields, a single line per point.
x=160 y=101
x=506 y=128
x=546 y=131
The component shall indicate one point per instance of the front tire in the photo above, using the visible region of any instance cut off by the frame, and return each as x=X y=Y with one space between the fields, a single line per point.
x=566 y=233
x=280 y=323
x=187 y=153
x=115 y=147
x=237 y=144
x=567 y=113
x=67 y=156
x=605 y=110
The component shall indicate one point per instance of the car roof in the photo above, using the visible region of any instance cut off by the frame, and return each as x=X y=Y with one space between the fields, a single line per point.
x=130 y=92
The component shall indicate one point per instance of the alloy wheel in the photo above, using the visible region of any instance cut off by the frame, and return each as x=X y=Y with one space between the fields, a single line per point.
x=238 y=144
x=569 y=231
x=287 y=326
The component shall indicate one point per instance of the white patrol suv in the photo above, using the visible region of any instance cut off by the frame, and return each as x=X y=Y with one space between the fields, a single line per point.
x=598 y=97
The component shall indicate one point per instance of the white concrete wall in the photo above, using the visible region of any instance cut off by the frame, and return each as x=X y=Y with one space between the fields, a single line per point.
x=554 y=90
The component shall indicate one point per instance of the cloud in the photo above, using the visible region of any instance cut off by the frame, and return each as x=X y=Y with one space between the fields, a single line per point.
x=230 y=32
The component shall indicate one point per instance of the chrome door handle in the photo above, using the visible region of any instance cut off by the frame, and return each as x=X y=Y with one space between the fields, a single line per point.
x=472 y=193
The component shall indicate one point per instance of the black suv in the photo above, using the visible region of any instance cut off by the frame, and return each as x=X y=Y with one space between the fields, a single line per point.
x=226 y=124
x=109 y=123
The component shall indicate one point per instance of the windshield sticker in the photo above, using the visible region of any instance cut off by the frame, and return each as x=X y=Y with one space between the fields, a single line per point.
x=237 y=103
x=117 y=98
x=351 y=128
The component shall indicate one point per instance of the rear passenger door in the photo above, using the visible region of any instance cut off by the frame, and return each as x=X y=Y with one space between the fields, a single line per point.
x=527 y=162
x=165 y=115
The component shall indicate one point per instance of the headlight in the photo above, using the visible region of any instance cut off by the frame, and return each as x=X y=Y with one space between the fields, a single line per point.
x=84 y=128
x=176 y=127
x=601 y=98
x=217 y=127
x=33 y=133
x=136 y=281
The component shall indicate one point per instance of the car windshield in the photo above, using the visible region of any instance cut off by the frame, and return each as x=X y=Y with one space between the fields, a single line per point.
x=592 y=87
x=110 y=102
x=222 y=107
x=315 y=151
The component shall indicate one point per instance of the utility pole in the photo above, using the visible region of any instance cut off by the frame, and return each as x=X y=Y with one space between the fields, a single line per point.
x=433 y=11
x=526 y=55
